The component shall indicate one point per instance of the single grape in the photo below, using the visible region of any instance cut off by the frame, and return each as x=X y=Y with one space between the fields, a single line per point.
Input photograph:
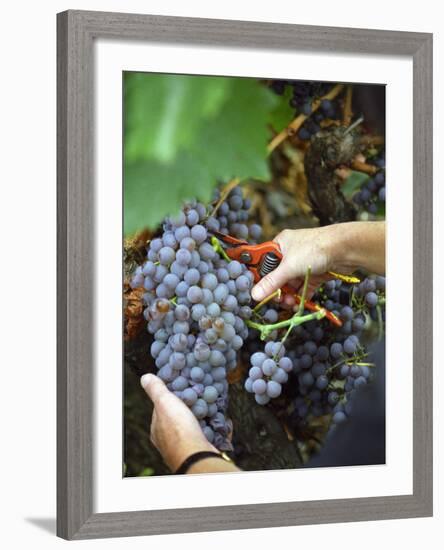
x=258 y=358
x=220 y=293
x=349 y=346
x=200 y=409
x=255 y=231
x=194 y=294
x=371 y=299
x=234 y=269
x=197 y=374
x=269 y=367
x=201 y=351
x=210 y=394
x=222 y=275
x=339 y=417
x=360 y=381
x=286 y=364
x=199 y=233
x=189 y=396
x=261 y=399
x=336 y=350
x=182 y=312
x=274 y=389
x=259 y=386
x=181 y=233
x=216 y=358
x=322 y=382
x=248 y=385
x=255 y=373
x=280 y=376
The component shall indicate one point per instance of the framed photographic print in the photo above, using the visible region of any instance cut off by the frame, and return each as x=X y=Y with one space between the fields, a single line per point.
x=245 y=211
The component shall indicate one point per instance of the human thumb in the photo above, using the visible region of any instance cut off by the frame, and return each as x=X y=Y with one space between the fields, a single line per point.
x=154 y=387
x=271 y=282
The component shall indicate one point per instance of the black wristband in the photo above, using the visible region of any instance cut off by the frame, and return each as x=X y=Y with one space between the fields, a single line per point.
x=195 y=457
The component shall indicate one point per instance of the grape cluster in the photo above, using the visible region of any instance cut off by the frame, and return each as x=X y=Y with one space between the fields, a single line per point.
x=328 y=110
x=198 y=310
x=331 y=363
x=232 y=215
x=303 y=92
x=196 y=303
x=325 y=364
x=372 y=191
x=269 y=370
x=326 y=371
x=370 y=293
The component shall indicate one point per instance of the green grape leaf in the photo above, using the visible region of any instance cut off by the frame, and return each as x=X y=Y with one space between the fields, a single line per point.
x=282 y=114
x=231 y=143
x=166 y=112
x=153 y=190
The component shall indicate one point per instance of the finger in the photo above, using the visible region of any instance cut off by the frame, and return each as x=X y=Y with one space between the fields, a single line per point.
x=153 y=427
x=270 y=283
x=154 y=388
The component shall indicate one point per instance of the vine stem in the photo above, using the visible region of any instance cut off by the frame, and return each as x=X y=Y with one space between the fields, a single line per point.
x=294 y=126
x=347 y=113
x=360 y=166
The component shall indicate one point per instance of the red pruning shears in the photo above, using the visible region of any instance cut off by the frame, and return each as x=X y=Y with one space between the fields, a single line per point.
x=263 y=258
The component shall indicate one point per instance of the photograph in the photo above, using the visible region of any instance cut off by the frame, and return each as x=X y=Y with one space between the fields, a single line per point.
x=253 y=267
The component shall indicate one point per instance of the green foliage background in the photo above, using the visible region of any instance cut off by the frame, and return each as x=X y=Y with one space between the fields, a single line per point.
x=183 y=134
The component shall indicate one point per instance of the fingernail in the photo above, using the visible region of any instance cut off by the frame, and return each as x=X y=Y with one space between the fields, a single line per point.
x=145 y=380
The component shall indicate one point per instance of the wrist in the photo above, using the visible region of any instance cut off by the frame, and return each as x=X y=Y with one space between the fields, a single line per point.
x=182 y=452
x=344 y=246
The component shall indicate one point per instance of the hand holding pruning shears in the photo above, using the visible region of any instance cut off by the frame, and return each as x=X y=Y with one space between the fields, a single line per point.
x=329 y=251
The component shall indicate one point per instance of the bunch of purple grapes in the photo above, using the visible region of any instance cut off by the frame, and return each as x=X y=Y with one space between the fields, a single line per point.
x=372 y=192
x=331 y=363
x=196 y=303
x=328 y=109
x=269 y=370
x=371 y=292
x=232 y=215
x=303 y=93
x=197 y=308
x=325 y=364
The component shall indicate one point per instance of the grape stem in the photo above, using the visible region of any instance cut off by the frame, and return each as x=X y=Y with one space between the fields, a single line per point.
x=291 y=323
x=380 y=323
x=224 y=194
x=215 y=243
x=297 y=319
x=304 y=292
x=355 y=359
x=276 y=294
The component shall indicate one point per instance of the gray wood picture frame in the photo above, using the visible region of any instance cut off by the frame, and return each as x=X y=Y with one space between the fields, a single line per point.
x=76 y=33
